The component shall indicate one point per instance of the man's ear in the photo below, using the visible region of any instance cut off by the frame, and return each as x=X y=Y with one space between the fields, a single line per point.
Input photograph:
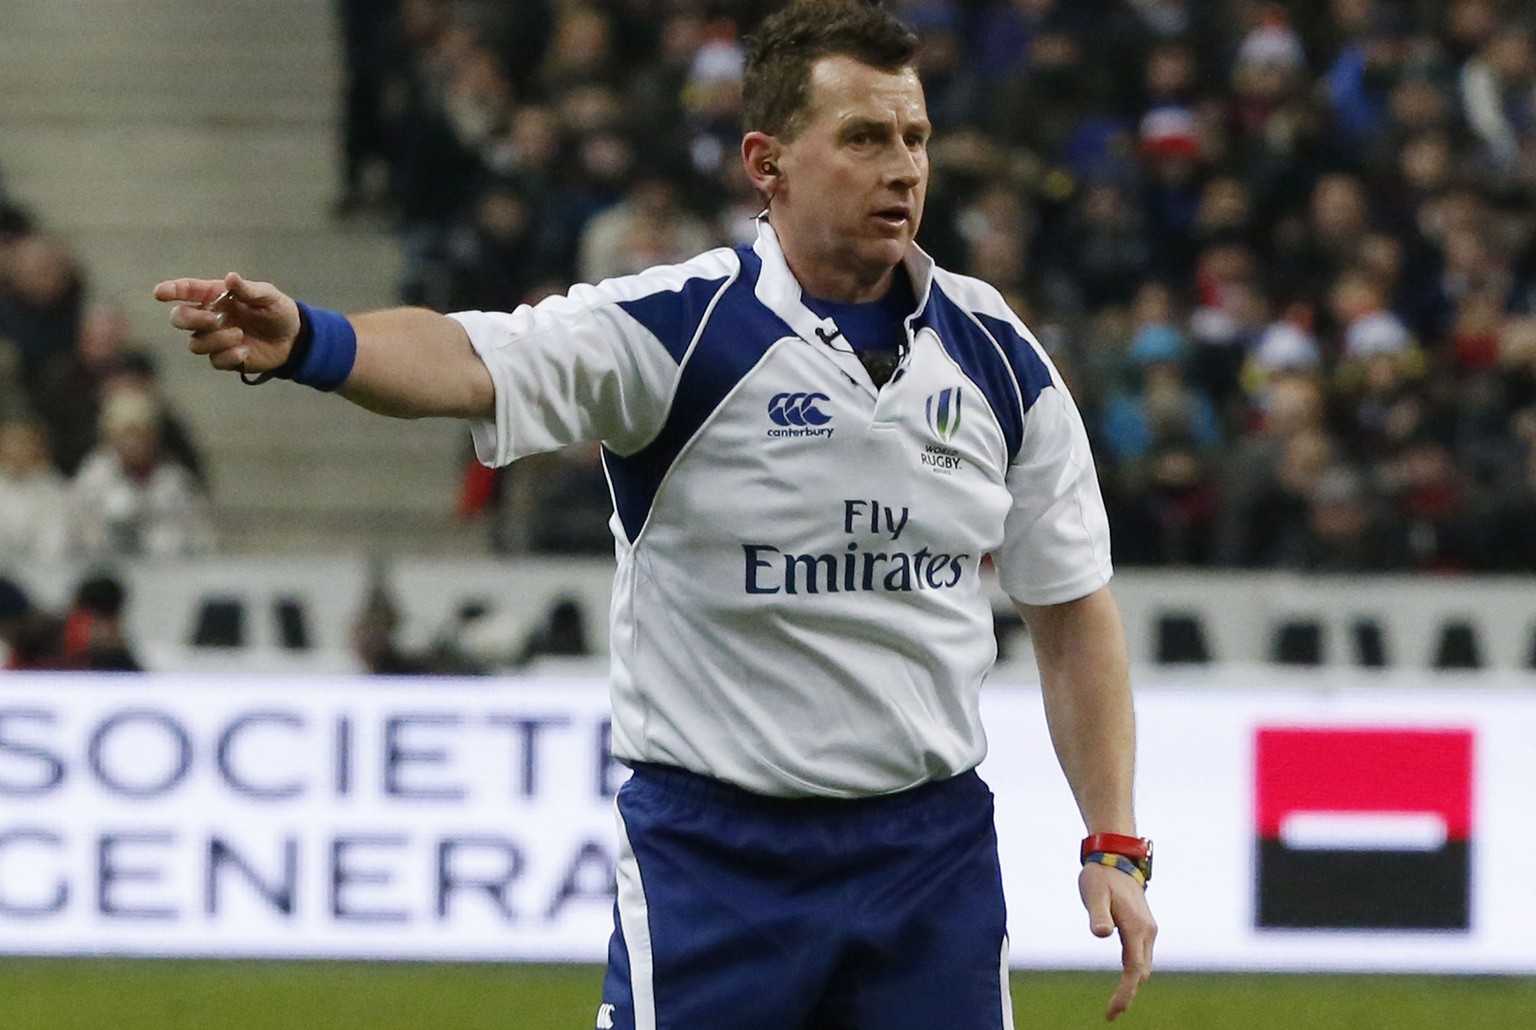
x=760 y=159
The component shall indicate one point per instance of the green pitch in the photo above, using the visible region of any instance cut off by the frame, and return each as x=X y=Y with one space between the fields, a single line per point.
x=80 y=994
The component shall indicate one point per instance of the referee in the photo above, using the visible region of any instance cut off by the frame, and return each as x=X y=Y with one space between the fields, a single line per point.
x=812 y=443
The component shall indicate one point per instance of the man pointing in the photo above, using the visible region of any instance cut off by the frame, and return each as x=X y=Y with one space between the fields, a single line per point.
x=812 y=444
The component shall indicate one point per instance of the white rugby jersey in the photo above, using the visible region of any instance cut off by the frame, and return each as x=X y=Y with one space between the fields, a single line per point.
x=798 y=606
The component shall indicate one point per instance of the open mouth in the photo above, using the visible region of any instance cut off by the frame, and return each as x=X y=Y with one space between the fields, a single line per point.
x=896 y=216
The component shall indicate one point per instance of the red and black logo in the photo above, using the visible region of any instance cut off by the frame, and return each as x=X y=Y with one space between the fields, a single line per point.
x=1364 y=828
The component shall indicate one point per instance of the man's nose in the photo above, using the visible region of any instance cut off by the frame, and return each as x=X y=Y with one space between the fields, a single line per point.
x=905 y=171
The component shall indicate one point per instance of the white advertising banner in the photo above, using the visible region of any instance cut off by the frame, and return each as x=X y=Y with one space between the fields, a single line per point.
x=349 y=818
x=1348 y=829
x=1368 y=828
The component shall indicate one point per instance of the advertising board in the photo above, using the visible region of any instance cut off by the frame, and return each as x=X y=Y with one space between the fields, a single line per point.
x=1348 y=828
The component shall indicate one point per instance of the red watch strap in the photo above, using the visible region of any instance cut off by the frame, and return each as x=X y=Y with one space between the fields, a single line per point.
x=1137 y=849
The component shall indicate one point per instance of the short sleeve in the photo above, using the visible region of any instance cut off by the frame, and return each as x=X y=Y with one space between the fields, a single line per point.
x=599 y=364
x=1056 y=536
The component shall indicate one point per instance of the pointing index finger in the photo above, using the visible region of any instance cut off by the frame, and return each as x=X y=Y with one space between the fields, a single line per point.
x=188 y=291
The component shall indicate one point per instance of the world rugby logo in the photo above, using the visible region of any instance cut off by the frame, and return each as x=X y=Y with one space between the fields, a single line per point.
x=798 y=409
x=943 y=410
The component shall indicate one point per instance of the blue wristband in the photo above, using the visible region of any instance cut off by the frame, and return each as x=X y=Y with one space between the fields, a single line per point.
x=1119 y=862
x=326 y=349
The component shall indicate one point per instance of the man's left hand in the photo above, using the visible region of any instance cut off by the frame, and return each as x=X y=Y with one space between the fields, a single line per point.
x=1116 y=901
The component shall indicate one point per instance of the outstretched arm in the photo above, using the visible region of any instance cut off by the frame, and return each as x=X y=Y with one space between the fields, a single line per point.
x=410 y=362
x=1080 y=648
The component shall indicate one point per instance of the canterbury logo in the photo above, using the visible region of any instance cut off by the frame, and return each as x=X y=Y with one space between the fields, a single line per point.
x=798 y=409
x=605 y=1017
x=943 y=410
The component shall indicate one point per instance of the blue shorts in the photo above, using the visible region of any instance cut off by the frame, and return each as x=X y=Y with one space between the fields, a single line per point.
x=743 y=912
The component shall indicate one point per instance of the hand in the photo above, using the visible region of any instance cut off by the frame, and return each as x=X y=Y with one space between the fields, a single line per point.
x=1116 y=901
x=253 y=333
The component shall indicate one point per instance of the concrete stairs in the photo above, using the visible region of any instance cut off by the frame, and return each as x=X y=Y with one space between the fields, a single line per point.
x=169 y=137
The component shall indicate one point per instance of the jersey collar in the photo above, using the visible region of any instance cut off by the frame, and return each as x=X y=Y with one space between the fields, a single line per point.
x=779 y=290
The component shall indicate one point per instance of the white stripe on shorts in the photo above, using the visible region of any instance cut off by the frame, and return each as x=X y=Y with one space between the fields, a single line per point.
x=635 y=924
x=1007 y=991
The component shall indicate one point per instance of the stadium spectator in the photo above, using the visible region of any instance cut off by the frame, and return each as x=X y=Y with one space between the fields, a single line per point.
x=1010 y=34
x=1511 y=545
x=1172 y=155
x=1050 y=99
x=370 y=55
x=68 y=387
x=375 y=636
x=1268 y=122
x=495 y=256
x=648 y=227
x=31 y=639
x=1345 y=530
x=1276 y=530
x=129 y=499
x=41 y=290
x=137 y=373
x=1498 y=93
x=71 y=388
x=1466 y=26
x=580 y=51
x=658 y=86
x=995 y=227
x=1231 y=311
x=34 y=509
x=93 y=636
x=1364 y=72
x=1106 y=251
x=712 y=102
x=1284 y=349
x=1158 y=441
x=561 y=634
x=944 y=62
x=1431 y=501
x=570 y=505
x=1252 y=476
x=1162 y=409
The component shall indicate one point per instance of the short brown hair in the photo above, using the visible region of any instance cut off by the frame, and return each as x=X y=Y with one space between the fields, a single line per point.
x=777 y=81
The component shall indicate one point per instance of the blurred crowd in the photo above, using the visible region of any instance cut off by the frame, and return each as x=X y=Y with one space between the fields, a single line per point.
x=94 y=461
x=88 y=634
x=89 y=630
x=1283 y=253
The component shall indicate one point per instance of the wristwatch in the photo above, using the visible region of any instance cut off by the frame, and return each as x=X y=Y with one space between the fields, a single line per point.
x=1131 y=855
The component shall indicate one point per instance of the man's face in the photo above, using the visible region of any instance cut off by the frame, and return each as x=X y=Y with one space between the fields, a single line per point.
x=855 y=178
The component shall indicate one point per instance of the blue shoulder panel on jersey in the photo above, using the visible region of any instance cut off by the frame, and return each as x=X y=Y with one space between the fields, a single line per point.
x=739 y=332
x=673 y=316
x=1001 y=362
